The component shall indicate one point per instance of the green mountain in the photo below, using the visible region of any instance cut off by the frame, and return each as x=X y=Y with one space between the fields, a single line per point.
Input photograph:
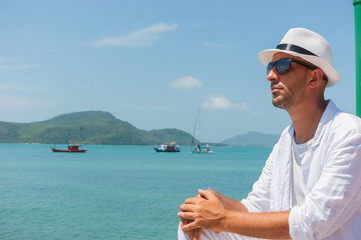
x=91 y=127
x=253 y=139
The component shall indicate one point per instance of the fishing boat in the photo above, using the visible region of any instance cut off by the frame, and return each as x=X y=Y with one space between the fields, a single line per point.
x=72 y=148
x=196 y=136
x=168 y=147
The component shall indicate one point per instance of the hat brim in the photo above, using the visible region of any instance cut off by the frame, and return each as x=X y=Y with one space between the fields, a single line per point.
x=333 y=77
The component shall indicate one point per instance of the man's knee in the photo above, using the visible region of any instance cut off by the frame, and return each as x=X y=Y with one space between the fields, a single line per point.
x=181 y=234
x=209 y=235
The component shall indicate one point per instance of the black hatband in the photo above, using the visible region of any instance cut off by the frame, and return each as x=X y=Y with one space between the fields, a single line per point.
x=294 y=48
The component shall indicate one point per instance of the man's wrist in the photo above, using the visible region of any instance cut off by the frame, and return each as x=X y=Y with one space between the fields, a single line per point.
x=226 y=220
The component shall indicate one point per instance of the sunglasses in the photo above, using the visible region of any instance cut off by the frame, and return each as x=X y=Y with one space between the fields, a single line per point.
x=283 y=65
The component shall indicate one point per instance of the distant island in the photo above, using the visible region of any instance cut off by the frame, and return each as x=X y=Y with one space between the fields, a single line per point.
x=90 y=127
x=98 y=127
x=255 y=139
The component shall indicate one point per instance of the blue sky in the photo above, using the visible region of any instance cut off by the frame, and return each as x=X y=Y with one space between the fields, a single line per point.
x=153 y=63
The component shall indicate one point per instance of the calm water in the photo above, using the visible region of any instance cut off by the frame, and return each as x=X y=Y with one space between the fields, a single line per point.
x=112 y=192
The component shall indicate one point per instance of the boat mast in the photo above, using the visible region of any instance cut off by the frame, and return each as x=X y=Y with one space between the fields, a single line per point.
x=196 y=128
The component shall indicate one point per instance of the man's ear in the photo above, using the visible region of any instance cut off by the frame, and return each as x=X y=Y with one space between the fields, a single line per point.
x=316 y=79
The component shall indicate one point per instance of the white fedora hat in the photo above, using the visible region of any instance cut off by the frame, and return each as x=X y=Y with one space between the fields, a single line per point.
x=309 y=46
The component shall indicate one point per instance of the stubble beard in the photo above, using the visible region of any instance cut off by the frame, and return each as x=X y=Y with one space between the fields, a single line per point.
x=289 y=99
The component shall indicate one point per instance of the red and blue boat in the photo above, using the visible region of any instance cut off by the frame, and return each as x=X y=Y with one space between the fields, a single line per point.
x=168 y=147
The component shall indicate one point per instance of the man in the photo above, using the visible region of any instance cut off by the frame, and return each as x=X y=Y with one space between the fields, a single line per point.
x=310 y=187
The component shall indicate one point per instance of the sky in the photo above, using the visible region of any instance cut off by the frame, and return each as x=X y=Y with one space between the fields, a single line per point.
x=154 y=63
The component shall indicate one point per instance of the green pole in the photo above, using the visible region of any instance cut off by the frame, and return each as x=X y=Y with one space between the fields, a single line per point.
x=357 y=6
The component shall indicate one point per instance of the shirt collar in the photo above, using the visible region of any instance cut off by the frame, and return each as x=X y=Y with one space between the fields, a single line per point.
x=327 y=116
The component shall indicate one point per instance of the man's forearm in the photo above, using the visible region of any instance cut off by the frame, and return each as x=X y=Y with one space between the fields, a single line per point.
x=272 y=225
x=233 y=205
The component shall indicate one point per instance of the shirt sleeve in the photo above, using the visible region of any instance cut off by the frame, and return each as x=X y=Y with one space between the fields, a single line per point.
x=258 y=200
x=336 y=196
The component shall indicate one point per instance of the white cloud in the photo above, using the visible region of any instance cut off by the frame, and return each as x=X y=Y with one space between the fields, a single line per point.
x=219 y=102
x=186 y=82
x=218 y=45
x=4 y=65
x=140 y=38
x=16 y=67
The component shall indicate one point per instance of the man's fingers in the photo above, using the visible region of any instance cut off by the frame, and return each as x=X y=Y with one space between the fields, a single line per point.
x=186 y=207
x=206 y=194
x=197 y=233
x=184 y=221
x=186 y=215
x=189 y=226
x=193 y=200
x=192 y=234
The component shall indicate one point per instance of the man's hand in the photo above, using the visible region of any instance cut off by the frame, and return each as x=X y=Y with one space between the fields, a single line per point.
x=205 y=212
x=194 y=234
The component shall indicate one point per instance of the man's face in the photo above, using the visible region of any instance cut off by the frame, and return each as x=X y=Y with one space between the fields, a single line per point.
x=288 y=89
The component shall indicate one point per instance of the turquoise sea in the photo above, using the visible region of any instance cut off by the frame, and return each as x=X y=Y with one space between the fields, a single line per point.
x=112 y=192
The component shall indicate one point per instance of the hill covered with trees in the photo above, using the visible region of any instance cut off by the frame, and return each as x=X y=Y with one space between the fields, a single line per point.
x=91 y=127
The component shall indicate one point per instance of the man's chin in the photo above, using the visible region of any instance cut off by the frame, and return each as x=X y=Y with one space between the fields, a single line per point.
x=278 y=103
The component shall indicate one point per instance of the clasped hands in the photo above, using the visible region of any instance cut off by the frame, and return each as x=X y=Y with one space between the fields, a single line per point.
x=204 y=211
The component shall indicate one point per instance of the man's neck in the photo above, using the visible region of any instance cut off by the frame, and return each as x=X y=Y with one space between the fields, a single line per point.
x=305 y=118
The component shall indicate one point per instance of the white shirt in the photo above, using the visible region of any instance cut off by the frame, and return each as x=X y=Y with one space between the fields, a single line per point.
x=300 y=170
x=332 y=205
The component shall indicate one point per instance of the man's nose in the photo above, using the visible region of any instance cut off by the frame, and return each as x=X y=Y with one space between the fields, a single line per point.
x=272 y=75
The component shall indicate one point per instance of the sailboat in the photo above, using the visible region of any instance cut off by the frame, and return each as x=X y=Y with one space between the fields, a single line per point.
x=198 y=148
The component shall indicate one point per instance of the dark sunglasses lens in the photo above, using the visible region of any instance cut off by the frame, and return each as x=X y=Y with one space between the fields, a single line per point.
x=270 y=66
x=283 y=65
